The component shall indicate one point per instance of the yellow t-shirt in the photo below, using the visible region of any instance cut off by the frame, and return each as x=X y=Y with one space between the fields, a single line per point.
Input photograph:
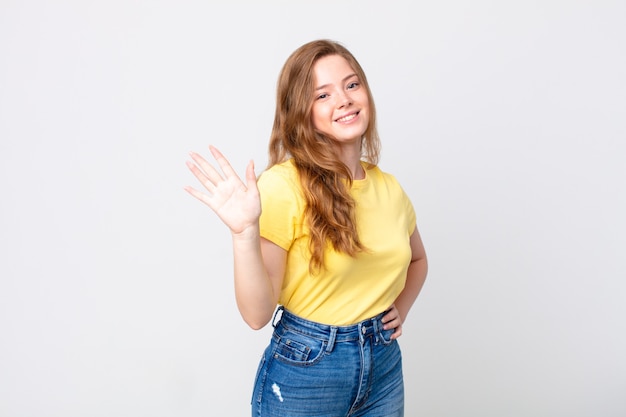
x=349 y=289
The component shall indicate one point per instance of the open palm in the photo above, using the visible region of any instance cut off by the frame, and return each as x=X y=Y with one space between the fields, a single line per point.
x=237 y=204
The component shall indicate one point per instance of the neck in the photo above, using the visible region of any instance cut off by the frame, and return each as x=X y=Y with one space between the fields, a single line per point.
x=357 y=171
x=351 y=157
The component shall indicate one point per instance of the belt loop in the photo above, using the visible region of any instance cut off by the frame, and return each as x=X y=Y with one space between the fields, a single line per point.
x=362 y=330
x=278 y=310
x=331 y=339
x=378 y=324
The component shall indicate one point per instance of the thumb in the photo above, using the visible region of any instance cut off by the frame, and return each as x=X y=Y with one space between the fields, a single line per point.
x=250 y=175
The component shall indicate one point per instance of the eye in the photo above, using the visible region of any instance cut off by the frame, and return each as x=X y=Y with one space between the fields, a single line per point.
x=322 y=96
x=353 y=85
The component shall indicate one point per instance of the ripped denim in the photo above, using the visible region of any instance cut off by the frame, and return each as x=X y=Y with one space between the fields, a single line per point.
x=315 y=370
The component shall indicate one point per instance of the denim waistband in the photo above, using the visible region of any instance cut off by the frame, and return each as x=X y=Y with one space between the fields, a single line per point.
x=333 y=334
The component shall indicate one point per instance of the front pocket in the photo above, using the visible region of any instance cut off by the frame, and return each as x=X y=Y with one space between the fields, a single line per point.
x=299 y=349
x=385 y=336
x=293 y=350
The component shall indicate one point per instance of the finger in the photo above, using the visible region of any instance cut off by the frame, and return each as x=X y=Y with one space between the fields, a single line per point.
x=227 y=169
x=210 y=173
x=396 y=333
x=251 y=176
x=391 y=314
x=204 y=180
x=197 y=194
x=392 y=324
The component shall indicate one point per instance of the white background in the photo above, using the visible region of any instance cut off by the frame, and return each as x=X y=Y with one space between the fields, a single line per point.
x=504 y=121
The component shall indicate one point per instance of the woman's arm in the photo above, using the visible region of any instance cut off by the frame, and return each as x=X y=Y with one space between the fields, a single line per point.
x=258 y=263
x=259 y=270
x=415 y=277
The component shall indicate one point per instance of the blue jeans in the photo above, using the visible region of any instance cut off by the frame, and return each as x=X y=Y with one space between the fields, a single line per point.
x=315 y=370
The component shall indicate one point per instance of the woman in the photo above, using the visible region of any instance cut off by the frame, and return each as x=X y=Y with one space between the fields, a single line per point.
x=336 y=246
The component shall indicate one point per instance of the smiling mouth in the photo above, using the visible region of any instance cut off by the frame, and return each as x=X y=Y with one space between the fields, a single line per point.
x=347 y=118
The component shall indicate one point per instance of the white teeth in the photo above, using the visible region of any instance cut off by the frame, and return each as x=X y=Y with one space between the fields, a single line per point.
x=346 y=118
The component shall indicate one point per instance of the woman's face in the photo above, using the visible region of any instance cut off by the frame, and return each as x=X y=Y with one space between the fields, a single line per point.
x=340 y=106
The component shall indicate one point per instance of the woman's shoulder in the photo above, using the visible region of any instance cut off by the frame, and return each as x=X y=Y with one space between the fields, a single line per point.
x=375 y=173
x=279 y=175
x=285 y=168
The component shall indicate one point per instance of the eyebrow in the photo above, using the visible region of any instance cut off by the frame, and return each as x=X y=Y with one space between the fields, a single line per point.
x=321 y=87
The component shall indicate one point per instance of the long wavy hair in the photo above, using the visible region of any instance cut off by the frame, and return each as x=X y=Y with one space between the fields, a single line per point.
x=325 y=180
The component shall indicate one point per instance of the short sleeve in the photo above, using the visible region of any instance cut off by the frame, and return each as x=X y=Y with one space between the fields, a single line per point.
x=410 y=213
x=281 y=206
x=404 y=203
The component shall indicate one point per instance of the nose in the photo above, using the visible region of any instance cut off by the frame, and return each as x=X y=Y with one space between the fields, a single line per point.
x=343 y=100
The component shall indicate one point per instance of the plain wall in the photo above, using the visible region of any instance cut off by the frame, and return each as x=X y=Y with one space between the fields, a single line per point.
x=504 y=121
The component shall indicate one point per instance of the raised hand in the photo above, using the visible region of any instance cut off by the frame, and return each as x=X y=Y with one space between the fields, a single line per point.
x=237 y=204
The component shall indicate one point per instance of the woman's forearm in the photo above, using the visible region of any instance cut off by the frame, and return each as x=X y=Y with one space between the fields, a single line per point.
x=416 y=276
x=254 y=292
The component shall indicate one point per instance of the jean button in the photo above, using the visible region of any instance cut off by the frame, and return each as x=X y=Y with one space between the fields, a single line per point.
x=363 y=329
